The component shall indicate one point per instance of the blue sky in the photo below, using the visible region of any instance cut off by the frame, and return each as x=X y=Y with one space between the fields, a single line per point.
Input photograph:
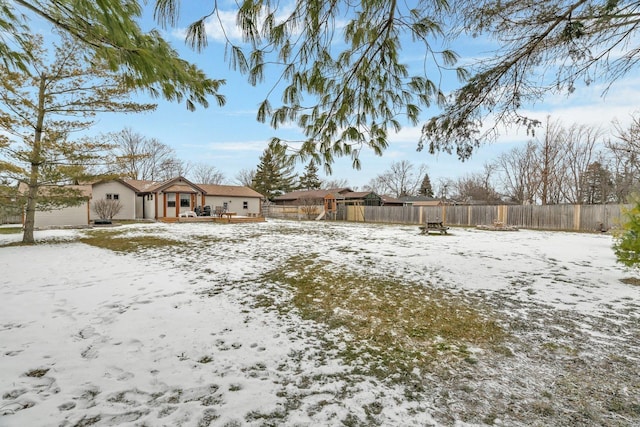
x=230 y=138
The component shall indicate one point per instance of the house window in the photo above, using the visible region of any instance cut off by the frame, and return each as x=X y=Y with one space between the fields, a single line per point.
x=245 y=205
x=171 y=200
x=185 y=201
x=150 y=197
x=113 y=196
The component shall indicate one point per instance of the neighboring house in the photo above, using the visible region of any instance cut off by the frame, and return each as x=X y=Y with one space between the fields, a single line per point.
x=422 y=201
x=344 y=196
x=154 y=200
x=308 y=197
x=359 y=198
x=329 y=198
x=391 y=201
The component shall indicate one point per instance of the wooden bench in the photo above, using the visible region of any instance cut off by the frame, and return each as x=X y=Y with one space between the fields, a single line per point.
x=435 y=226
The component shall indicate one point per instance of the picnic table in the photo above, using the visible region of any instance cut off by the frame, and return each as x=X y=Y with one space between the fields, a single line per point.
x=435 y=226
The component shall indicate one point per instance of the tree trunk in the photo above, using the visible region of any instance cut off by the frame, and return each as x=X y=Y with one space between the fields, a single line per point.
x=34 y=176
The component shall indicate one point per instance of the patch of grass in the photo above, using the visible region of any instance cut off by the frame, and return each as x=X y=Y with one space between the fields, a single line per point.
x=205 y=359
x=10 y=230
x=36 y=373
x=395 y=326
x=635 y=281
x=119 y=241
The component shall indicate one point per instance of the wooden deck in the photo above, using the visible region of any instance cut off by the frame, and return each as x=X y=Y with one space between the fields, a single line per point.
x=223 y=220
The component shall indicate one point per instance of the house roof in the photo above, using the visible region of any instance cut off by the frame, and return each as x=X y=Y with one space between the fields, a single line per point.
x=139 y=185
x=177 y=188
x=358 y=194
x=229 y=190
x=180 y=184
x=388 y=200
x=183 y=185
x=50 y=190
x=311 y=194
x=427 y=203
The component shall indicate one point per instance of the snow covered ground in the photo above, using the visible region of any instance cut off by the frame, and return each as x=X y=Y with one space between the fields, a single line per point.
x=174 y=335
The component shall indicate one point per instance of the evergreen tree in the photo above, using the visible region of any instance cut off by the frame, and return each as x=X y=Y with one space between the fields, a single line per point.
x=43 y=105
x=627 y=243
x=425 y=188
x=310 y=180
x=110 y=30
x=597 y=184
x=274 y=174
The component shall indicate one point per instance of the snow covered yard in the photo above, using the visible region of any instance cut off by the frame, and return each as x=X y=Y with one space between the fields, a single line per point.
x=316 y=323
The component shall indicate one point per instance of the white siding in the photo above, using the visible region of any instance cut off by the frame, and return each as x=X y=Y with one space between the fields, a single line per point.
x=126 y=196
x=70 y=216
x=149 y=206
x=235 y=204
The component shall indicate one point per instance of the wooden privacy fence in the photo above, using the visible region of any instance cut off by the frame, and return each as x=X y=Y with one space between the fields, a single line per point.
x=548 y=217
x=10 y=219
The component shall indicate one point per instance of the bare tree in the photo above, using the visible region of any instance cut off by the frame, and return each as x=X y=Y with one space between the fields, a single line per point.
x=328 y=184
x=130 y=153
x=478 y=187
x=520 y=173
x=139 y=157
x=444 y=188
x=550 y=159
x=170 y=168
x=245 y=177
x=309 y=206
x=401 y=179
x=579 y=145
x=203 y=173
x=625 y=158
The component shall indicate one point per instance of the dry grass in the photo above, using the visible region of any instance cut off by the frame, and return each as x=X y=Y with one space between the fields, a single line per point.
x=394 y=325
x=119 y=241
x=10 y=230
x=635 y=281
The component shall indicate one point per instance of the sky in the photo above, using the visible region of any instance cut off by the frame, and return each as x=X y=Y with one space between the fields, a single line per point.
x=189 y=340
x=231 y=139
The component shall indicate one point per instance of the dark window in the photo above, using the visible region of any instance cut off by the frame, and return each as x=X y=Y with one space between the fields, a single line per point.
x=171 y=203
x=245 y=205
x=185 y=201
x=110 y=196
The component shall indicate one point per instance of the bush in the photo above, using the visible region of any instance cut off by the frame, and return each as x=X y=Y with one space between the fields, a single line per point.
x=627 y=244
x=107 y=209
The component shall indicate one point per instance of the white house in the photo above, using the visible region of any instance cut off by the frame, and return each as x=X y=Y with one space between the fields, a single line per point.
x=156 y=201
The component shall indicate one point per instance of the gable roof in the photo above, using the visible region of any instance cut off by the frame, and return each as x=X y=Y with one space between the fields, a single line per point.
x=229 y=190
x=84 y=191
x=183 y=185
x=177 y=184
x=139 y=185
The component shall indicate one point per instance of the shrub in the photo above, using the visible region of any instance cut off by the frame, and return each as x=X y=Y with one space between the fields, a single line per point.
x=107 y=209
x=627 y=244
